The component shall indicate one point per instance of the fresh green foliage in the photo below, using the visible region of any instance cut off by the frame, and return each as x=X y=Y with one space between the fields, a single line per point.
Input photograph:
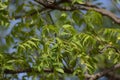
x=58 y=42
x=78 y=1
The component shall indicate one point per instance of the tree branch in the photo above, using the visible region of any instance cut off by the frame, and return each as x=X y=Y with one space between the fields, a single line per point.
x=55 y=6
x=84 y=7
x=68 y=71
x=112 y=75
x=32 y=70
x=103 y=73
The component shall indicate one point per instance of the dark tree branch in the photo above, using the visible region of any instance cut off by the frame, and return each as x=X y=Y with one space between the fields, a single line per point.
x=56 y=6
x=103 y=73
x=112 y=75
x=84 y=7
x=52 y=21
x=32 y=70
x=25 y=71
x=68 y=71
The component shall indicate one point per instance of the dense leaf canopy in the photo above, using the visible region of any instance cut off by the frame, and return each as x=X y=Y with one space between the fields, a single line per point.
x=59 y=40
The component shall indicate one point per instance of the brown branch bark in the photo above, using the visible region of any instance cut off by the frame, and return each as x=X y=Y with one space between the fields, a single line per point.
x=25 y=71
x=103 y=73
x=84 y=7
x=32 y=70
x=112 y=75
x=68 y=71
x=105 y=13
x=55 y=6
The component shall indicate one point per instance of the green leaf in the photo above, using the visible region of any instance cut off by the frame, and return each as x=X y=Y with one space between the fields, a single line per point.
x=77 y=16
x=21 y=46
x=35 y=39
x=27 y=45
x=59 y=70
x=69 y=28
x=9 y=67
x=2 y=6
x=78 y=1
x=1 y=56
x=11 y=61
x=32 y=43
x=93 y=18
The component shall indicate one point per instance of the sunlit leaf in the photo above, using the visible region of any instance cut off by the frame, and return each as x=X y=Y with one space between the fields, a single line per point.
x=59 y=70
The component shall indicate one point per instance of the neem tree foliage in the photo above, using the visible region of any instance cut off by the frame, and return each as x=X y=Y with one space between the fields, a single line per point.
x=58 y=39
